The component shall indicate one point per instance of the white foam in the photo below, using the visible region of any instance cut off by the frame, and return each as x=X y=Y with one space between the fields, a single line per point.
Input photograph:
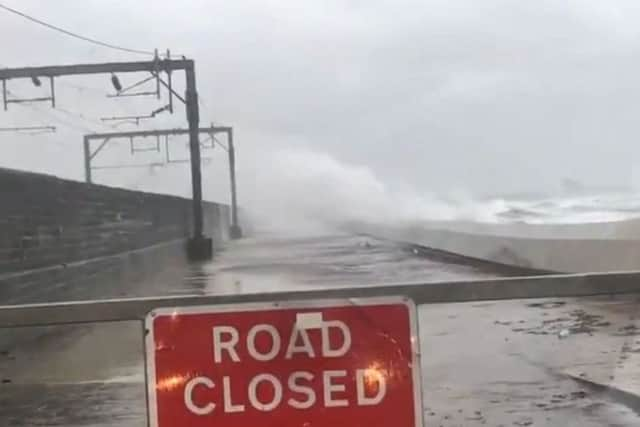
x=302 y=189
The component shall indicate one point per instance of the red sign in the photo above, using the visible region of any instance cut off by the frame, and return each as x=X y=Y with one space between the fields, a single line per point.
x=304 y=364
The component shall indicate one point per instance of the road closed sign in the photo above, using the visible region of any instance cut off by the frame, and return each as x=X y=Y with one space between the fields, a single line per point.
x=304 y=364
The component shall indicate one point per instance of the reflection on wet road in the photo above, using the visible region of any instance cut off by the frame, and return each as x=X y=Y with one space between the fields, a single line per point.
x=269 y=263
x=510 y=363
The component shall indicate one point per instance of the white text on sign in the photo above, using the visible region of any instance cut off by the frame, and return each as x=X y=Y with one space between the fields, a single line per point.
x=225 y=342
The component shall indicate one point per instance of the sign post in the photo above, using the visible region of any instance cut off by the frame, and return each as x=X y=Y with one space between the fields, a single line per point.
x=317 y=363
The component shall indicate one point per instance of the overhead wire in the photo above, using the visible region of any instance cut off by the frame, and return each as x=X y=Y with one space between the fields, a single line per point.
x=122 y=106
x=76 y=35
x=73 y=126
x=67 y=112
x=60 y=143
x=82 y=88
x=63 y=144
x=51 y=116
x=87 y=119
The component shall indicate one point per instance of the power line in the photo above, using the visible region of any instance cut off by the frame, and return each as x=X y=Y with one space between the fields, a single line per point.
x=81 y=116
x=79 y=88
x=71 y=125
x=82 y=88
x=78 y=36
x=64 y=144
x=65 y=111
x=53 y=116
x=37 y=129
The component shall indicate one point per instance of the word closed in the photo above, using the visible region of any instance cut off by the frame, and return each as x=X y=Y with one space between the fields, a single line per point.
x=314 y=363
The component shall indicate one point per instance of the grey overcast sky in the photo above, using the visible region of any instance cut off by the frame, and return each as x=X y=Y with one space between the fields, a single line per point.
x=479 y=96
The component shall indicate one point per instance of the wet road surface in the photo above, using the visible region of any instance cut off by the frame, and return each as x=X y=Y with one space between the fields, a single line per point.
x=509 y=363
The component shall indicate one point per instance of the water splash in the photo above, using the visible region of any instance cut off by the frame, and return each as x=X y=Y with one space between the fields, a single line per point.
x=311 y=190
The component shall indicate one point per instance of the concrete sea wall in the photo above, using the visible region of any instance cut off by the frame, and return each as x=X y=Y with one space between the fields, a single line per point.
x=47 y=221
x=571 y=248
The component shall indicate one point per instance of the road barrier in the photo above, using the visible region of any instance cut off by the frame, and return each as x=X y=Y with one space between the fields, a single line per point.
x=175 y=343
x=131 y=309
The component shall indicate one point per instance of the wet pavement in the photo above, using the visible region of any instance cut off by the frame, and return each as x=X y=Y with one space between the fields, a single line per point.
x=570 y=362
x=510 y=363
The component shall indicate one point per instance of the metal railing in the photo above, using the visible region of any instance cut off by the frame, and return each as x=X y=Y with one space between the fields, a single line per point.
x=135 y=309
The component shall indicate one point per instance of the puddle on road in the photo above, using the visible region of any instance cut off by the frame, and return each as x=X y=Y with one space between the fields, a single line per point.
x=334 y=261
